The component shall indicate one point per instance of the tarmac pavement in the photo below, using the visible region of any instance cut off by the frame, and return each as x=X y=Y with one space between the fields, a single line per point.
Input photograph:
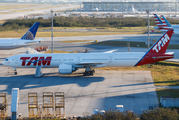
x=106 y=89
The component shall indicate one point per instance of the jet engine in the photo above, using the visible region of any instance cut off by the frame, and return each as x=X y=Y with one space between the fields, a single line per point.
x=65 y=69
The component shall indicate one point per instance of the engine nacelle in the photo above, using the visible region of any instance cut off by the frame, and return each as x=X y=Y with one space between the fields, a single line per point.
x=65 y=69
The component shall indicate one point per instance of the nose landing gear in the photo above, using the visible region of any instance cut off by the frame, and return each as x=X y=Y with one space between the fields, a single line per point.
x=14 y=70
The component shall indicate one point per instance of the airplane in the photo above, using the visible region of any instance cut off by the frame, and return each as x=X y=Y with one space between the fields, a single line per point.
x=134 y=10
x=67 y=63
x=25 y=40
x=160 y=25
x=165 y=21
x=163 y=24
x=169 y=26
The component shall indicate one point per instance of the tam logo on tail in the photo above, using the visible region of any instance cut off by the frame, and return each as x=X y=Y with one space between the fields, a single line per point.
x=160 y=46
x=161 y=43
x=157 y=51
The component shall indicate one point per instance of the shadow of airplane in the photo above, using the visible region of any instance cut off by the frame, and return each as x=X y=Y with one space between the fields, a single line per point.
x=30 y=82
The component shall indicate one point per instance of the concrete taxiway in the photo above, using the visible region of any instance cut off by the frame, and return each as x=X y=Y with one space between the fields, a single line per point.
x=12 y=15
x=106 y=89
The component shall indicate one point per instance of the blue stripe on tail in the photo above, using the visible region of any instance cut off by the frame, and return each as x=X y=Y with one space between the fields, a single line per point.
x=30 y=34
x=168 y=24
x=158 y=19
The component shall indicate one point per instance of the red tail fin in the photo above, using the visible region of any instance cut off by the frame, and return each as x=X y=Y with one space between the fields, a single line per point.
x=157 y=51
x=161 y=45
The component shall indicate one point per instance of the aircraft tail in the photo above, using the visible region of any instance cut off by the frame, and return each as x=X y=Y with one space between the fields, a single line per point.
x=165 y=21
x=157 y=51
x=30 y=34
x=159 y=22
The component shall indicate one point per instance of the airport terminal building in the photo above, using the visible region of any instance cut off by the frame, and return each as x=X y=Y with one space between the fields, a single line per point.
x=132 y=5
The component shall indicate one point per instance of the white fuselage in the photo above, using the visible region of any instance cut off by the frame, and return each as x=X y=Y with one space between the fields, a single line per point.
x=175 y=26
x=164 y=29
x=11 y=43
x=78 y=60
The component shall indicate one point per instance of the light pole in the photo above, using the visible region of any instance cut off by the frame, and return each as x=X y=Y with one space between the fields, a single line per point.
x=52 y=30
x=147 y=11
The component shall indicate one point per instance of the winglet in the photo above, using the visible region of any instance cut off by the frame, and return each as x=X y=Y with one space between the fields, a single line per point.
x=30 y=34
x=157 y=51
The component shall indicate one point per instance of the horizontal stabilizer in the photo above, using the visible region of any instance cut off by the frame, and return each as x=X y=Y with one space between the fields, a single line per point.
x=170 y=53
x=160 y=57
x=33 y=41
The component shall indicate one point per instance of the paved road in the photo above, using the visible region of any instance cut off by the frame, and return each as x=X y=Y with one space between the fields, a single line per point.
x=10 y=10
x=120 y=37
x=37 y=11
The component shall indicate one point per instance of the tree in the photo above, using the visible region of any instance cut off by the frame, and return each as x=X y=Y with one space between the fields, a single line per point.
x=160 y=114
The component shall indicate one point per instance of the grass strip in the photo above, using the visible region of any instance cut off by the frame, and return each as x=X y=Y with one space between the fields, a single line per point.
x=121 y=43
x=7 y=34
x=167 y=93
x=125 y=43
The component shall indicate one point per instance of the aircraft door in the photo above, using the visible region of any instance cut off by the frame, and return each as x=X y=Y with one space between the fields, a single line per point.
x=78 y=59
x=16 y=60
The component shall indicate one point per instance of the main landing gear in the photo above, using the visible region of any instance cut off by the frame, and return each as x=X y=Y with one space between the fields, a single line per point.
x=89 y=73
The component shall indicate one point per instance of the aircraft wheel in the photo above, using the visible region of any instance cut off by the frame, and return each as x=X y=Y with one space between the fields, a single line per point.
x=84 y=74
x=15 y=73
x=88 y=74
x=91 y=73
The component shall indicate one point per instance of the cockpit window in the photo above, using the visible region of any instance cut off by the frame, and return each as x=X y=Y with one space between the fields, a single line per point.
x=6 y=59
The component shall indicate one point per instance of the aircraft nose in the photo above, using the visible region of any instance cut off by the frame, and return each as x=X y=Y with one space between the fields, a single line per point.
x=3 y=62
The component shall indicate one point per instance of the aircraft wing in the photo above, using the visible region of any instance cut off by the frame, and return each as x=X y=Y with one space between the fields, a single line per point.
x=110 y=51
x=92 y=64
